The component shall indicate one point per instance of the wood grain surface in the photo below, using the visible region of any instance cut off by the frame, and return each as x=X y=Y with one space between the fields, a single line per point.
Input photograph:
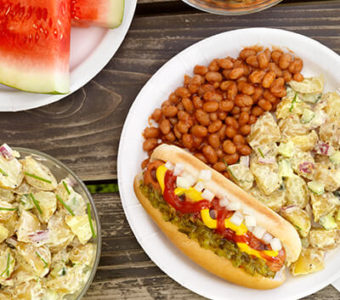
x=83 y=129
x=126 y=272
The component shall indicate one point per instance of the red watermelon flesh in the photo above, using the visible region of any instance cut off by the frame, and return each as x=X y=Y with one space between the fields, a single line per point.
x=35 y=45
x=103 y=13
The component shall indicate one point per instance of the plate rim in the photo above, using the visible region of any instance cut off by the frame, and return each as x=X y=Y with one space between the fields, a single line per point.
x=100 y=56
x=316 y=287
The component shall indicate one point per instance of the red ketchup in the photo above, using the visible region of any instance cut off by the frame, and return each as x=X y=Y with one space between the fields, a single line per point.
x=221 y=213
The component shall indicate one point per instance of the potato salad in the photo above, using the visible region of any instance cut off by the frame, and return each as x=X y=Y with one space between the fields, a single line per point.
x=46 y=230
x=294 y=167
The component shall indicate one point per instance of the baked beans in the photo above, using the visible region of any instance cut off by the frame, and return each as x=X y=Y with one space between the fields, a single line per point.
x=212 y=113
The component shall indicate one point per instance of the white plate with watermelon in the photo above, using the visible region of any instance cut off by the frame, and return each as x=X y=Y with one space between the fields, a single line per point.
x=91 y=49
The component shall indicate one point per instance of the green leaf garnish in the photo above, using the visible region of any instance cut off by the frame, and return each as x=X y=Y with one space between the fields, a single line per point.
x=260 y=151
x=65 y=205
x=42 y=259
x=37 y=177
x=66 y=188
x=36 y=203
x=90 y=220
x=7 y=266
x=293 y=102
x=8 y=209
x=3 y=172
x=230 y=171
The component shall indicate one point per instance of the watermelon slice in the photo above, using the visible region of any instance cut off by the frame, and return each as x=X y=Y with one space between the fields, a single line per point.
x=103 y=13
x=35 y=45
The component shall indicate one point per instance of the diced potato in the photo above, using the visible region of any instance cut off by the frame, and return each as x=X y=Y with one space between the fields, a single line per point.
x=48 y=204
x=264 y=132
x=24 y=189
x=266 y=176
x=6 y=195
x=296 y=191
x=305 y=142
x=308 y=85
x=71 y=198
x=29 y=290
x=299 y=218
x=332 y=107
x=4 y=233
x=303 y=164
x=286 y=149
x=60 y=234
x=323 y=204
x=27 y=224
x=83 y=254
x=310 y=97
x=291 y=127
x=289 y=106
x=310 y=261
x=7 y=211
x=242 y=176
x=38 y=258
x=327 y=174
x=330 y=133
x=25 y=202
x=80 y=226
x=10 y=173
x=324 y=239
x=7 y=263
x=274 y=201
x=38 y=175
x=71 y=282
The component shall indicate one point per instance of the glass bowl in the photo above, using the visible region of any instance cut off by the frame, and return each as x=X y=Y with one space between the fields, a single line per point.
x=60 y=171
x=232 y=7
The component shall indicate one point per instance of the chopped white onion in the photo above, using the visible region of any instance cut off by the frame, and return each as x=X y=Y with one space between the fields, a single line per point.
x=259 y=232
x=224 y=201
x=191 y=179
x=182 y=182
x=267 y=238
x=205 y=175
x=234 y=206
x=178 y=169
x=244 y=160
x=208 y=195
x=275 y=244
x=250 y=221
x=199 y=186
x=237 y=218
x=169 y=165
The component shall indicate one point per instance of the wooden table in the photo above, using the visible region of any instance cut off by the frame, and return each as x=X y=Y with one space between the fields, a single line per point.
x=83 y=129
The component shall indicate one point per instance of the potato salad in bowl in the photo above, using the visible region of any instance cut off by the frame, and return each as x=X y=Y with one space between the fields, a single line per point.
x=294 y=167
x=49 y=228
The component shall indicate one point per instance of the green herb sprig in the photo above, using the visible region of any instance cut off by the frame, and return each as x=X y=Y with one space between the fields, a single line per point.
x=37 y=177
x=66 y=188
x=260 y=151
x=3 y=172
x=293 y=102
x=36 y=203
x=7 y=266
x=90 y=220
x=8 y=209
x=65 y=205
x=42 y=259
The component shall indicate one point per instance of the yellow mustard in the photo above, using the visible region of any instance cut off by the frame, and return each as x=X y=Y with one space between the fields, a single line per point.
x=211 y=223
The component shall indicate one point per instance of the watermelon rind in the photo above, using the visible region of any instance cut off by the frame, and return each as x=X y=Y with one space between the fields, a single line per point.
x=116 y=13
x=35 y=81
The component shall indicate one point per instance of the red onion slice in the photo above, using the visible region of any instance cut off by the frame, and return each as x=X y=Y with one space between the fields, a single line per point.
x=306 y=167
x=6 y=152
x=39 y=236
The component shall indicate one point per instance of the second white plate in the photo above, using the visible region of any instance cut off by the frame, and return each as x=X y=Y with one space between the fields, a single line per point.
x=317 y=58
x=91 y=50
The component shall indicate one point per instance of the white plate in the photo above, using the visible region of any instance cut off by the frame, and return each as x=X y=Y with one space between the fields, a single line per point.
x=91 y=50
x=318 y=59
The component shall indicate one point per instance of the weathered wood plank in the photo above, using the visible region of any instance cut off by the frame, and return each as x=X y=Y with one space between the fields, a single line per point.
x=83 y=129
x=126 y=272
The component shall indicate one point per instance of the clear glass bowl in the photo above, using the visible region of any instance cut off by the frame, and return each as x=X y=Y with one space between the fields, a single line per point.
x=232 y=7
x=60 y=171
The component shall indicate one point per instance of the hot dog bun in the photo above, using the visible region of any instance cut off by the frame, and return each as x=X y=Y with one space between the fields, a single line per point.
x=219 y=185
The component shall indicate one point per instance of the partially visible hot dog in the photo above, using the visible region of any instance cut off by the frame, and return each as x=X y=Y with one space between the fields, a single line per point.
x=214 y=222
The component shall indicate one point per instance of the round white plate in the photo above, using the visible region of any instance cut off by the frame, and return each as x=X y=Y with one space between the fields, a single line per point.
x=91 y=50
x=318 y=59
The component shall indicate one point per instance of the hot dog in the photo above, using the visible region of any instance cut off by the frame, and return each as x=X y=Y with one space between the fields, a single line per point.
x=214 y=222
